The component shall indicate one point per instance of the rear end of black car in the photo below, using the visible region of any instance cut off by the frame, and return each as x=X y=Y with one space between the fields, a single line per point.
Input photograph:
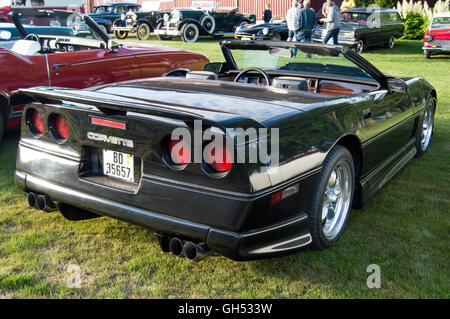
x=87 y=160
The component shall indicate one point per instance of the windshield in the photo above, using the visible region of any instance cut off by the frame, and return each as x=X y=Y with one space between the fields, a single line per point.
x=440 y=22
x=356 y=17
x=100 y=10
x=59 y=23
x=291 y=59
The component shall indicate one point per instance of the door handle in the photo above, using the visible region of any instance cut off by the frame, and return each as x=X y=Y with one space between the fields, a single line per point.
x=57 y=66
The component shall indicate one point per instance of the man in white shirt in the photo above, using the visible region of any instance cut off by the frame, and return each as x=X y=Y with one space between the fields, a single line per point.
x=293 y=21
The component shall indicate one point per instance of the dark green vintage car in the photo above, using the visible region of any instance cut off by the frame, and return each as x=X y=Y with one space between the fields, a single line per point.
x=204 y=18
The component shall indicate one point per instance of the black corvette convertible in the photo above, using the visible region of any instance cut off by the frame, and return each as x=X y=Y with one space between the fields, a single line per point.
x=338 y=130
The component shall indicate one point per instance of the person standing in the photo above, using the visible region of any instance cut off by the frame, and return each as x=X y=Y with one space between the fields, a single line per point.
x=293 y=21
x=307 y=22
x=267 y=15
x=347 y=4
x=333 y=22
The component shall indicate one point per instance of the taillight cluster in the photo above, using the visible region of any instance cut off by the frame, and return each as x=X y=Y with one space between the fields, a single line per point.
x=217 y=162
x=56 y=125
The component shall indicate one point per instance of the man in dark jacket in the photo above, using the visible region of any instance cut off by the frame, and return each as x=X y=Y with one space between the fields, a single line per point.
x=307 y=22
x=267 y=16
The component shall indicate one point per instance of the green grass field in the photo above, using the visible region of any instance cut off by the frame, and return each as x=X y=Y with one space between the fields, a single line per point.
x=404 y=229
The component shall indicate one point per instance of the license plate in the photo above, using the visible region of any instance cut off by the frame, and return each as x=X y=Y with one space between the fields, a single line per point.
x=246 y=39
x=118 y=165
x=446 y=47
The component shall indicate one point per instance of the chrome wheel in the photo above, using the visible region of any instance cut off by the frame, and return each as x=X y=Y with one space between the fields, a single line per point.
x=391 y=42
x=336 y=200
x=427 y=127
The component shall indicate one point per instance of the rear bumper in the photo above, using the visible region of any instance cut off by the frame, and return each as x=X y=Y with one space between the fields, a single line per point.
x=61 y=184
x=436 y=49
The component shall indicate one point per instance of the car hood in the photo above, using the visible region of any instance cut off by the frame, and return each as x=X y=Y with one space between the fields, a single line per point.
x=224 y=103
x=258 y=27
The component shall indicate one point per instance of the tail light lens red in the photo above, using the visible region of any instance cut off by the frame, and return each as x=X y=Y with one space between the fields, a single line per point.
x=219 y=159
x=61 y=127
x=179 y=152
x=38 y=122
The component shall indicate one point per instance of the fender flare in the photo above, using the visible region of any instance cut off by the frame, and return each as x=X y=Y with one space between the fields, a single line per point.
x=193 y=21
x=143 y=20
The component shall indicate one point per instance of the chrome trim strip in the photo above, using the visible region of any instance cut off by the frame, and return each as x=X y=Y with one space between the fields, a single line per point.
x=48 y=71
x=374 y=138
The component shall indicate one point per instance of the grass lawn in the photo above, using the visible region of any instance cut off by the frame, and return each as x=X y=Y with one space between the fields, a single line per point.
x=404 y=229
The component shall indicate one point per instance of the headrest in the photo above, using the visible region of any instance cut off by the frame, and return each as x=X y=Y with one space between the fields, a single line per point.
x=26 y=47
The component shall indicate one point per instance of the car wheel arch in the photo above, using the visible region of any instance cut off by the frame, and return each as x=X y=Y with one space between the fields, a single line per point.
x=353 y=145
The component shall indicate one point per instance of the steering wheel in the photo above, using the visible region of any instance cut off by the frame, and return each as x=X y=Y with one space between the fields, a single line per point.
x=32 y=36
x=263 y=73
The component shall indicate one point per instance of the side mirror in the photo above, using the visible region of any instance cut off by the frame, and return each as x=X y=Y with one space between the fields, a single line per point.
x=215 y=67
x=282 y=52
x=5 y=35
x=397 y=85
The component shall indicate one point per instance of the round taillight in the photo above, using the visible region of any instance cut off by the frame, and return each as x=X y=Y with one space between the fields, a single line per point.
x=429 y=37
x=219 y=159
x=179 y=152
x=38 y=122
x=61 y=127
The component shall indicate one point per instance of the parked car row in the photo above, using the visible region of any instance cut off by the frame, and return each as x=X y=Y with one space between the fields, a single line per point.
x=360 y=28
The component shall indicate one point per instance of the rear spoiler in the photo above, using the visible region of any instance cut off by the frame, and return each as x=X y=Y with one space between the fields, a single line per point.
x=108 y=106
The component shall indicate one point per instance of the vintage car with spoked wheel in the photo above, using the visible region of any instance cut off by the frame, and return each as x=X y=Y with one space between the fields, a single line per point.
x=254 y=157
x=204 y=18
x=365 y=27
x=65 y=48
x=140 y=23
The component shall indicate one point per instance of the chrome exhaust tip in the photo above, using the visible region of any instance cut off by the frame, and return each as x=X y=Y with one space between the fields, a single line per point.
x=176 y=247
x=163 y=243
x=32 y=199
x=44 y=203
x=196 y=252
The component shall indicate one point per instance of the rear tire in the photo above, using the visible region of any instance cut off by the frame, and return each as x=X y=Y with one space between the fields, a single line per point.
x=208 y=22
x=426 y=128
x=121 y=34
x=361 y=46
x=276 y=37
x=332 y=199
x=427 y=54
x=190 y=33
x=143 y=31
x=391 y=42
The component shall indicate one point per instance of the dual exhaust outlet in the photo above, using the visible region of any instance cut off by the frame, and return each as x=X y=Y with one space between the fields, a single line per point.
x=188 y=249
x=41 y=202
x=178 y=247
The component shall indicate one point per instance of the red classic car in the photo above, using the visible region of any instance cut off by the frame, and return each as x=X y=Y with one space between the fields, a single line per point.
x=437 y=36
x=66 y=49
